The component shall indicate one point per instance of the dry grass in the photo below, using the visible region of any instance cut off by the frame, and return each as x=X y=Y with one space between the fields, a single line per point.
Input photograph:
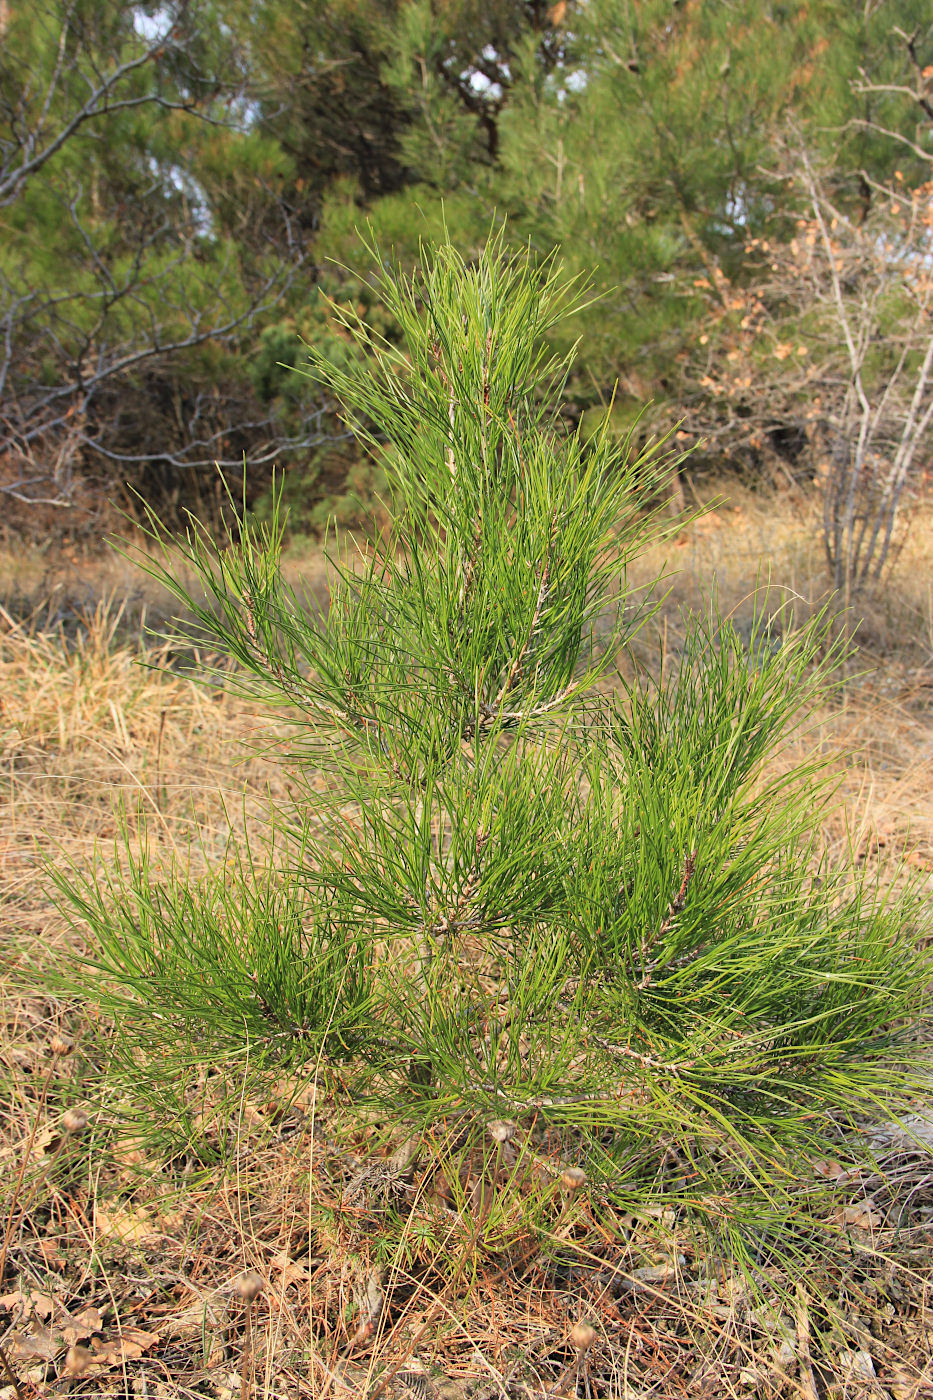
x=882 y=730
x=125 y=1276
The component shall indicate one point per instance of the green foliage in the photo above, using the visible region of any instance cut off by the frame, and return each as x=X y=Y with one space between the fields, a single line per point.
x=244 y=941
x=642 y=140
x=144 y=239
x=516 y=895
x=650 y=151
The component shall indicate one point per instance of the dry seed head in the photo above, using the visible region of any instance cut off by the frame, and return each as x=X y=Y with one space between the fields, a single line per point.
x=75 y=1120
x=572 y=1178
x=248 y=1286
x=77 y=1360
x=500 y=1130
x=61 y=1044
x=583 y=1336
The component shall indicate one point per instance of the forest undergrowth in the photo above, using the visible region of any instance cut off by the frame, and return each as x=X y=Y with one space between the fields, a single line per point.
x=129 y=1272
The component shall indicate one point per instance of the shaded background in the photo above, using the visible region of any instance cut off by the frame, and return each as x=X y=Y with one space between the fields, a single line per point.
x=746 y=184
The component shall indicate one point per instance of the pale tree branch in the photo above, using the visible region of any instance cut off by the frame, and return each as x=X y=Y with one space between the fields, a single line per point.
x=25 y=157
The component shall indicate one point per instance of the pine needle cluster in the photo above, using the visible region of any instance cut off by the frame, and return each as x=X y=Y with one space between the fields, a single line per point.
x=519 y=893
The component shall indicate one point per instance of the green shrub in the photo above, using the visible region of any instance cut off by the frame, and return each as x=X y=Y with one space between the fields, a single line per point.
x=522 y=894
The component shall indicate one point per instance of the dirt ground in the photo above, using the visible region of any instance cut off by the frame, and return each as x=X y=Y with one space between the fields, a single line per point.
x=120 y=1275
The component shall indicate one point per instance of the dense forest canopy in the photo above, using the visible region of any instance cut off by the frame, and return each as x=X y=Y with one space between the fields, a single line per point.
x=746 y=183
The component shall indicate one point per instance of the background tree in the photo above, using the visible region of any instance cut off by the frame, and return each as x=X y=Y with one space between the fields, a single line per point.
x=144 y=240
x=653 y=158
x=831 y=346
x=643 y=140
x=648 y=144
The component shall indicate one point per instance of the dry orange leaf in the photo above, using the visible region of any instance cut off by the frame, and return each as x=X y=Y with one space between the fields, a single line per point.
x=28 y=1304
x=124 y=1224
x=101 y=1355
x=36 y=1344
x=77 y=1326
x=290 y=1270
x=833 y=1171
x=860 y=1214
x=44 y=1143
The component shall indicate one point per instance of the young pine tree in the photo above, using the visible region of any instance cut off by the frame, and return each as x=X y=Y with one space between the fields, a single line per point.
x=524 y=895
